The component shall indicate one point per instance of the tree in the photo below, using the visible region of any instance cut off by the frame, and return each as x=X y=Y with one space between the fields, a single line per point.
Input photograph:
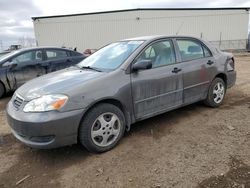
x=26 y=41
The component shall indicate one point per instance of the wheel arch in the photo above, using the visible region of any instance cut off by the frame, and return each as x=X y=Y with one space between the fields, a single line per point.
x=1 y=82
x=114 y=102
x=223 y=76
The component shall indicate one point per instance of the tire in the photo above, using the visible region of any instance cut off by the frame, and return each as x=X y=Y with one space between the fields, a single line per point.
x=2 y=90
x=216 y=93
x=102 y=128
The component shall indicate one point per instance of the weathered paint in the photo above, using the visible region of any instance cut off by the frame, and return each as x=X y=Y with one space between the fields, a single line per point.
x=142 y=94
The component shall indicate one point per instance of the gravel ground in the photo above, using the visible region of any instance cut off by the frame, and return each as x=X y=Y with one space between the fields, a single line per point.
x=194 y=146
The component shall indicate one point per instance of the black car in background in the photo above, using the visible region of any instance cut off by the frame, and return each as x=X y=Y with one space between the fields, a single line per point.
x=22 y=65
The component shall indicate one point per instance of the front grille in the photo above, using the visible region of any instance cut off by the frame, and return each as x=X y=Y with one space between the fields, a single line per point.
x=17 y=102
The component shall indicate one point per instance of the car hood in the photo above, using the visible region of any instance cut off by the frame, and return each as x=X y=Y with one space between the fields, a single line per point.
x=58 y=82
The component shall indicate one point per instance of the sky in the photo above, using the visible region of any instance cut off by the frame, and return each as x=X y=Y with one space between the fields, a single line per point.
x=16 y=23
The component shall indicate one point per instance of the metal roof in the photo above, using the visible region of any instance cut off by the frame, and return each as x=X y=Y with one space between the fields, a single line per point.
x=141 y=9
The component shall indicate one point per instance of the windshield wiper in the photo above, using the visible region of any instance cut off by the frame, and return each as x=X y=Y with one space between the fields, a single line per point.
x=91 y=68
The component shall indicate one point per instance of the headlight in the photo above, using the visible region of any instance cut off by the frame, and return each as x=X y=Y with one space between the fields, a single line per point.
x=46 y=103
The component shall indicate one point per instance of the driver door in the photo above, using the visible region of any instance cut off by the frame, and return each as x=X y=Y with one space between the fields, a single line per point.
x=27 y=66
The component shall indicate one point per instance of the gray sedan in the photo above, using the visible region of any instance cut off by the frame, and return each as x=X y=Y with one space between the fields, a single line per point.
x=95 y=102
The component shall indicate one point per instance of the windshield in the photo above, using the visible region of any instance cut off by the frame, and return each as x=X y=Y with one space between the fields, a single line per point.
x=112 y=56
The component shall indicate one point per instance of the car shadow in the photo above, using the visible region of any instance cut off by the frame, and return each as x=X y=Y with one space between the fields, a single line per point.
x=160 y=125
x=4 y=100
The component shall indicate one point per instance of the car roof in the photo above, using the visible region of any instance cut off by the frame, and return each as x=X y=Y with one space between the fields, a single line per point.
x=16 y=52
x=42 y=47
x=155 y=37
x=152 y=38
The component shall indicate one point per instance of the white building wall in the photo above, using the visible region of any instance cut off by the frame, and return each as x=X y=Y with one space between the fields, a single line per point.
x=96 y=30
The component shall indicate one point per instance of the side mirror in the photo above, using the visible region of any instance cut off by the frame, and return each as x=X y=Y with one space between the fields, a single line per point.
x=9 y=64
x=142 y=65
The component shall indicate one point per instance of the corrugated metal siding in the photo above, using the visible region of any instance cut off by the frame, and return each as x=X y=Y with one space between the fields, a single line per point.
x=94 y=31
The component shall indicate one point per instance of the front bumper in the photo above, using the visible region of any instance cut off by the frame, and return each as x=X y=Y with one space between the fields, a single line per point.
x=44 y=130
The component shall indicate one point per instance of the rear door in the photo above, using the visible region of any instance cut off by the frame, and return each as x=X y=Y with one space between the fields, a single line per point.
x=198 y=66
x=157 y=89
x=57 y=59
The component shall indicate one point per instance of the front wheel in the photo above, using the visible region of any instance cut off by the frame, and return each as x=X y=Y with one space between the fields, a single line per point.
x=216 y=93
x=102 y=128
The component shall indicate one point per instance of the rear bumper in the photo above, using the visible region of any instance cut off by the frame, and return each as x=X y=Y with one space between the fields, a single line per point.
x=231 y=79
x=44 y=130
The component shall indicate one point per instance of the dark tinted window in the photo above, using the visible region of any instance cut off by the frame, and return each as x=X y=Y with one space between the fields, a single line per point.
x=55 y=54
x=74 y=53
x=35 y=55
x=189 y=49
x=160 y=53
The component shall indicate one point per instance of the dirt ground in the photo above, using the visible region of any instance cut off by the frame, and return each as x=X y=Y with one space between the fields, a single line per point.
x=194 y=146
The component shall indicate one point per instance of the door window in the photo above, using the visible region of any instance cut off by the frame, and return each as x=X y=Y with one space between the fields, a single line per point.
x=207 y=53
x=56 y=54
x=149 y=53
x=190 y=50
x=35 y=55
x=160 y=53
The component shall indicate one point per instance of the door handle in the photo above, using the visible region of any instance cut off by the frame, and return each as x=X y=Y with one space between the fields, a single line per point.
x=210 y=62
x=176 y=70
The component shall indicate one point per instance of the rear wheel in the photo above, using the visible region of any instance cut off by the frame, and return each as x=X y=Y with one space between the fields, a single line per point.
x=216 y=93
x=102 y=128
x=2 y=90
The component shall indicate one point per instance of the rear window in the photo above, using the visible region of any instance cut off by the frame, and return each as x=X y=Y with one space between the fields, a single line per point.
x=73 y=53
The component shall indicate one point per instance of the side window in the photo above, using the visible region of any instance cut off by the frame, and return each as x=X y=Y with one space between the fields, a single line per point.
x=35 y=55
x=160 y=53
x=149 y=53
x=56 y=54
x=207 y=53
x=190 y=50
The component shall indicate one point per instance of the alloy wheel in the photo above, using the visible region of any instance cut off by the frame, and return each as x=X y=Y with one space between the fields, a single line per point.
x=218 y=92
x=106 y=129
